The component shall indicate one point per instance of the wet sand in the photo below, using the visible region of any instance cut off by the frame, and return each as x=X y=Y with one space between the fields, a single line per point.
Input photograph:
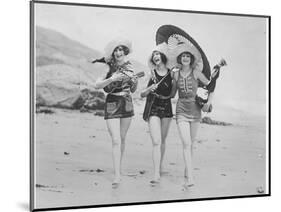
x=74 y=160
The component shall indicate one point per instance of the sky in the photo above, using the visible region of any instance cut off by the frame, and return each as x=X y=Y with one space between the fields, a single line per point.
x=241 y=40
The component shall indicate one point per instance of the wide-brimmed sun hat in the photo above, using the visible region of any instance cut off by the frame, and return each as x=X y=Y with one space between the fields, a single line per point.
x=115 y=43
x=175 y=50
x=162 y=48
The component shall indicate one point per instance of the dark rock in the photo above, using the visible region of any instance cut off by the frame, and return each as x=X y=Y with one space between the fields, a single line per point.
x=84 y=110
x=208 y=120
x=142 y=172
x=41 y=186
x=66 y=153
x=99 y=113
x=86 y=170
x=44 y=110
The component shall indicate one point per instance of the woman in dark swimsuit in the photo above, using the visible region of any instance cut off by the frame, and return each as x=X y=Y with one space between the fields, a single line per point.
x=160 y=113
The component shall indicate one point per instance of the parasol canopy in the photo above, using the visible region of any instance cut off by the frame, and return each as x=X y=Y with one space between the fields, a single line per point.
x=179 y=41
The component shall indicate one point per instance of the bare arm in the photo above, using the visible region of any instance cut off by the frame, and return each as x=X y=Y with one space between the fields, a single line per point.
x=210 y=98
x=102 y=82
x=199 y=75
x=150 y=88
x=205 y=81
x=175 y=75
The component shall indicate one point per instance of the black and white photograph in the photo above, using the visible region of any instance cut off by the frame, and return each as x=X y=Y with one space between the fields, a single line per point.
x=141 y=105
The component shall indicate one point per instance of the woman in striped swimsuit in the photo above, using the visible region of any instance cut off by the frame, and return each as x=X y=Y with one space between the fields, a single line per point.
x=188 y=113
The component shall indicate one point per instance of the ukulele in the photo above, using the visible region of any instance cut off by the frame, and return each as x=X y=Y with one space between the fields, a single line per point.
x=124 y=83
x=202 y=94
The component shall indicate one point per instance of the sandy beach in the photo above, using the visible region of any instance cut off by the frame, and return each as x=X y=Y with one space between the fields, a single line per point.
x=74 y=160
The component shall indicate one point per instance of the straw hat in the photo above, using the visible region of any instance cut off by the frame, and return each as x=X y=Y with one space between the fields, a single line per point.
x=175 y=50
x=163 y=48
x=113 y=44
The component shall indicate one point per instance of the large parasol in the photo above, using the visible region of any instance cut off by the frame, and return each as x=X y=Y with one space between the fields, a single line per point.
x=176 y=37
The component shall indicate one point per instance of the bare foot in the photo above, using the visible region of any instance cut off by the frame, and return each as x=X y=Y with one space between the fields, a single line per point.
x=156 y=180
x=163 y=172
x=188 y=182
x=185 y=173
x=116 y=182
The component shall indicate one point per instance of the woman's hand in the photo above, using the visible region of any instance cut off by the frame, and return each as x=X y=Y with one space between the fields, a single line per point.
x=134 y=80
x=117 y=77
x=153 y=87
x=175 y=69
x=207 y=107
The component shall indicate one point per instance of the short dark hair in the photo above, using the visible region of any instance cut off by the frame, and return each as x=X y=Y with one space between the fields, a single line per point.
x=125 y=49
x=163 y=58
x=188 y=53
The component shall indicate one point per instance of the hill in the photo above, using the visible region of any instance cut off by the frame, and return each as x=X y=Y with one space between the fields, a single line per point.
x=63 y=69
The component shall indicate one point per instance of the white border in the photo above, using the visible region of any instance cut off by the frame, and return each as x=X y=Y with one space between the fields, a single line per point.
x=15 y=105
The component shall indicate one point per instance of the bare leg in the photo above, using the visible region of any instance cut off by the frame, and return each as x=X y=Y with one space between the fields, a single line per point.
x=194 y=126
x=124 y=126
x=165 y=125
x=155 y=133
x=113 y=126
x=185 y=135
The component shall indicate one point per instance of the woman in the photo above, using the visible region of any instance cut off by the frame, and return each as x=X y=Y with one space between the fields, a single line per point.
x=118 y=104
x=158 y=111
x=188 y=113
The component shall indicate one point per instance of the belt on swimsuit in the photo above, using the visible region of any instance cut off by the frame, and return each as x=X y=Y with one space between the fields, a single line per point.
x=122 y=93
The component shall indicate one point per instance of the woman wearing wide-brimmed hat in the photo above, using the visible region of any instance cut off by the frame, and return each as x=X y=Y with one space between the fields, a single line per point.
x=187 y=75
x=118 y=105
x=158 y=108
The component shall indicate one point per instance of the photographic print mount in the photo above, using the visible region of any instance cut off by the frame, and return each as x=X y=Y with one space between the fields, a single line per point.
x=69 y=138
